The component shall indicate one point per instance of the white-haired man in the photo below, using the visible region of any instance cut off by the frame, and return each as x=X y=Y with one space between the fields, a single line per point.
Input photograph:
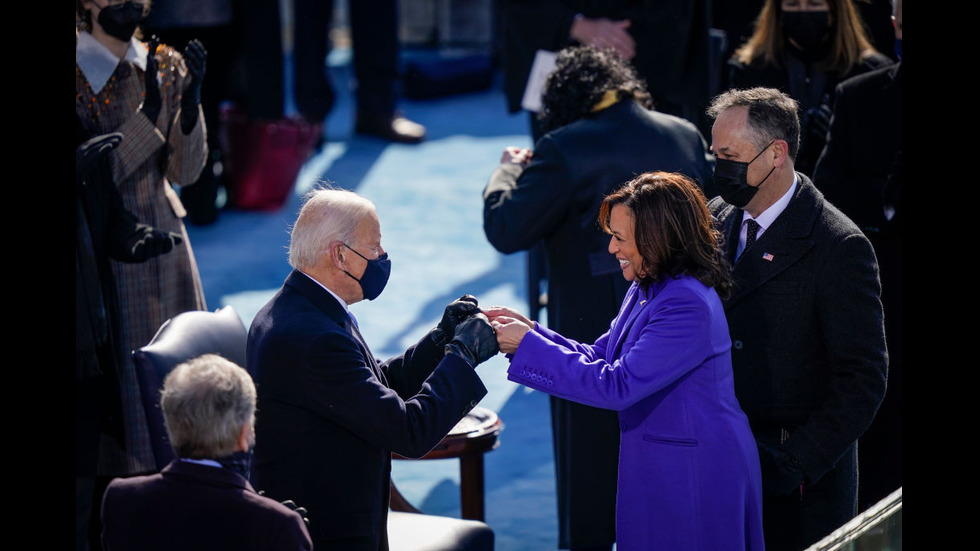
x=332 y=414
x=202 y=500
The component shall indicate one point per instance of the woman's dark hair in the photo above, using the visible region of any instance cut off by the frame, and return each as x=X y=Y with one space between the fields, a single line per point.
x=674 y=232
x=581 y=77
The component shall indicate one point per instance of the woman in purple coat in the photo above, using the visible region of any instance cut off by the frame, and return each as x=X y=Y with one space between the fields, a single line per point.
x=689 y=475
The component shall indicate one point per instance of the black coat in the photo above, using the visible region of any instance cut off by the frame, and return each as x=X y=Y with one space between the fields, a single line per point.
x=330 y=414
x=860 y=172
x=104 y=230
x=809 y=85
x=555 y=200
x=189 y=506
x=808 y=350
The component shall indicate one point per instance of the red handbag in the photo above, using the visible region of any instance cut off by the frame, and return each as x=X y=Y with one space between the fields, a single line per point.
x=263 y=157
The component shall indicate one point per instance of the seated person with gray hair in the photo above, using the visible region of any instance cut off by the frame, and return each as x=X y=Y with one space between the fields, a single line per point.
x=202 y=499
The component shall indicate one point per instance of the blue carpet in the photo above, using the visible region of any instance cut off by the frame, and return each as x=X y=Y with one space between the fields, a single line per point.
x=429 y=200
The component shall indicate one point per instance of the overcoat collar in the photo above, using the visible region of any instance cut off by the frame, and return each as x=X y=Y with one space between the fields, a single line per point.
x=787 y=240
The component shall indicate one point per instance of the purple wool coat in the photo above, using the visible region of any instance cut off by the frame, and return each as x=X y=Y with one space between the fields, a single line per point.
x=689 y=475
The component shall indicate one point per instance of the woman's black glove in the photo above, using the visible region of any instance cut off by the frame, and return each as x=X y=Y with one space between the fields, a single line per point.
x=150 y=242
x=457 y=311
x=152 y=102
x=94 y=149
x=195 y=58
x=474 y=340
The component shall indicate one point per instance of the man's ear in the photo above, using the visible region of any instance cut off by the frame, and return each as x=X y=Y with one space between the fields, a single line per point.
x=246 y=437
x=338 y=256
x=780 y=152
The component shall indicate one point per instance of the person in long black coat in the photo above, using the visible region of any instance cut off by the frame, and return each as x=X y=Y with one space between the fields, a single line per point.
x=104 y=230
x=603 y=135
x=805 y=316
x=860 y=172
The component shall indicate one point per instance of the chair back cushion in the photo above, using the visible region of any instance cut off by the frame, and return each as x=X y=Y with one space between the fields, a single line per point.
x=181 y=338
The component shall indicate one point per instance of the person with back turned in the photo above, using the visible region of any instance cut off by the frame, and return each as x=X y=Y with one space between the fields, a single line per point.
x=202 y=500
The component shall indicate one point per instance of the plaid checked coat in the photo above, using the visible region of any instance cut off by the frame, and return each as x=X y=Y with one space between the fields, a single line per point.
x=146 y=163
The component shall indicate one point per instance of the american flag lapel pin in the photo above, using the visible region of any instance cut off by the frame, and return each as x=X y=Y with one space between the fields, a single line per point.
x=768 y=257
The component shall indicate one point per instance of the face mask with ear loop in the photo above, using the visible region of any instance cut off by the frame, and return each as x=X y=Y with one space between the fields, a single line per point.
x=120 y=20
x=730 y=177
x=375 y=275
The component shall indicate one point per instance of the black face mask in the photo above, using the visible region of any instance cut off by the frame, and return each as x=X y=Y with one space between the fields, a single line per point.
x=240 y=462
x=730 y=177
x=375 y=276
x=120 y=20
x=808 y=29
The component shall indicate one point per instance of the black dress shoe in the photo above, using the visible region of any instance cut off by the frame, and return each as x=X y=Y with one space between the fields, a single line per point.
x=395 y=128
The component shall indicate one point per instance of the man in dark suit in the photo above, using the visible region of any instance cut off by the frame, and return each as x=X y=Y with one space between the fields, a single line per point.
x=332 y=414
x=805 y=315
x=860 y=172
x=202 y=500
x=602 y=133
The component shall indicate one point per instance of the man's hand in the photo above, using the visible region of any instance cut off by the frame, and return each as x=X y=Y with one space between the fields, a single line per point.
x=605 y=33
x=515 y=156
x=781 y=474
x=151 y=242
x=474 y=340
x=457 y=311
x=152 y=102
x=195 y=58
x=301 y=510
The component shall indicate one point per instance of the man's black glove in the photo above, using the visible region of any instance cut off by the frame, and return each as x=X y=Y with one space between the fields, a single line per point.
x=474 y=340
x=195 y=58
x=93 y=149
x=150 y=242
x=781 y=474
x=457 y=311
x=301 y=510
x=152 y=102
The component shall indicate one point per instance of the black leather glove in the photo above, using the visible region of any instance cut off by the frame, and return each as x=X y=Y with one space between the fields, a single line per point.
x=93 y=149
x=150 y=242
x=474 y=340
x=152 y=102
x=820 y=122
x=457 y=311
x=301 y=510
x=781 y=474
x=195 y=58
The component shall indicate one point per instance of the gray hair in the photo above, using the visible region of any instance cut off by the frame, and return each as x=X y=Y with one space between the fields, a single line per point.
x=327 y=215
x=206 y=401
x=772 y=115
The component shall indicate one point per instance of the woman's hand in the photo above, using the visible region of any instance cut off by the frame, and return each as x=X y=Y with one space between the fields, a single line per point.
x=510 y=330
x=494 y=311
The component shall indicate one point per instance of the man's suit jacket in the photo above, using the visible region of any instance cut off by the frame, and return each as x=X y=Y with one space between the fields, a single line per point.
x=555 y=200
x=687 y=459
x=189 y=506
x=808 y=346
x=330 y=414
